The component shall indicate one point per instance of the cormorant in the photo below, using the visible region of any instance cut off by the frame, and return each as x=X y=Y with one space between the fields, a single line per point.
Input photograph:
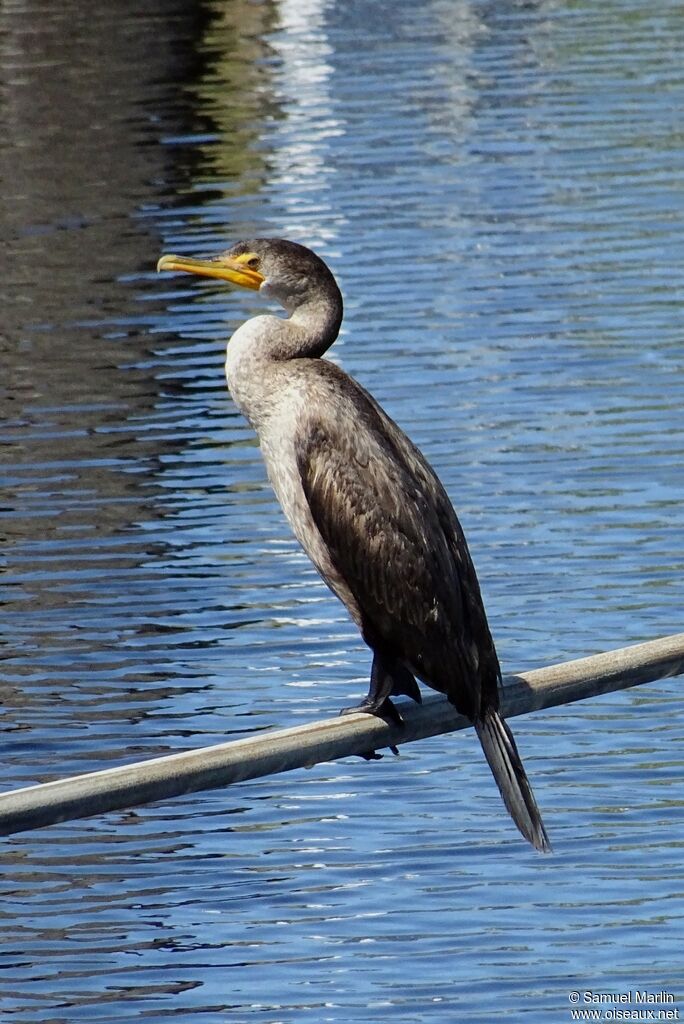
x=364 y=503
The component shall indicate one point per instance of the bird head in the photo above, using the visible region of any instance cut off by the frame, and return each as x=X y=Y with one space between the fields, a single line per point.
x=282 y=270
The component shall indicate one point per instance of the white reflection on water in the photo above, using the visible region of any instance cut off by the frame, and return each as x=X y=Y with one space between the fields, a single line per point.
x=498 y=188
x=303 y=171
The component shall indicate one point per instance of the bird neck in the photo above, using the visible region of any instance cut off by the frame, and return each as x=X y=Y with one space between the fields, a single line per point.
x=313 y=327
x=264 y=342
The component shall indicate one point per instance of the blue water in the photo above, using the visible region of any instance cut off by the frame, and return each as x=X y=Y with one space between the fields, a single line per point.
x=498 y=189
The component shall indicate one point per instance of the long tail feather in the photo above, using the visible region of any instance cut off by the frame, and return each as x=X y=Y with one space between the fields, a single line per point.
x=504 y=760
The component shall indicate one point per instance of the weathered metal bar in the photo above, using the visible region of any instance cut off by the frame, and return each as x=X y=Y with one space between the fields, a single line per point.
x=282 y=750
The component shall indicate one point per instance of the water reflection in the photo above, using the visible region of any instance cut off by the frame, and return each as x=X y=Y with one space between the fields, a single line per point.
x=95 y=408
x=497 y=188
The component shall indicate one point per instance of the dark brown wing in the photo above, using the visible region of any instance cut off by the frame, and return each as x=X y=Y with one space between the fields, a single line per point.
x=394 y=537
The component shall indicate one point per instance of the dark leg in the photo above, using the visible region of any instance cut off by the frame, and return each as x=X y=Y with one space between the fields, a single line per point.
x=404 y=685
x=388 y=677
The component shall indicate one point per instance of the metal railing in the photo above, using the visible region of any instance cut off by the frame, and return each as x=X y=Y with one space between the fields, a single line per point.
x=281 y=750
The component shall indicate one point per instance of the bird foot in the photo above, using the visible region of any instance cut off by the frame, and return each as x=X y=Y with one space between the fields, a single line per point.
x=372 y=755
x=384 y=709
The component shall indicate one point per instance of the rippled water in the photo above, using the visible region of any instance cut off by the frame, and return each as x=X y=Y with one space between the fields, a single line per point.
x=498 y=188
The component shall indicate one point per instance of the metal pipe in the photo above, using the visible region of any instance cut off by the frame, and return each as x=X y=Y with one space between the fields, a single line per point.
x=281 y=750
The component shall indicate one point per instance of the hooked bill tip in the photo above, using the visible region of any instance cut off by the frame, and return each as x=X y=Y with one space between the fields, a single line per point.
x=166 y=263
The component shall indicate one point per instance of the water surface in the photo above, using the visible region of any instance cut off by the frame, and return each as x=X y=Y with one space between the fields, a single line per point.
x=498 y=189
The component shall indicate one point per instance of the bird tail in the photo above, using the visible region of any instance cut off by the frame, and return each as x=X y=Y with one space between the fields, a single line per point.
x=504 y=760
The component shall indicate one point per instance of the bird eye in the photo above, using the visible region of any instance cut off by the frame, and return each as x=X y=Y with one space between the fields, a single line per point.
x=253 y=263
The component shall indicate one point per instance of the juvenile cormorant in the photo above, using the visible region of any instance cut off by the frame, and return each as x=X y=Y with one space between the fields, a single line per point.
x=364 y=503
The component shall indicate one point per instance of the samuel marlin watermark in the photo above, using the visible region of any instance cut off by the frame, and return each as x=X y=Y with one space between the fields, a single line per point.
x=634 y=1005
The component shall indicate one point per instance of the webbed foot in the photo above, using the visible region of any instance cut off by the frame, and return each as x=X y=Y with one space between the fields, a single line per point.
x=372 y=755
x=388 y=676
x=384 y=709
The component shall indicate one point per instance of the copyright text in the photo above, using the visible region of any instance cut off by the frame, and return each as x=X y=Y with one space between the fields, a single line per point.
x=634 y=1005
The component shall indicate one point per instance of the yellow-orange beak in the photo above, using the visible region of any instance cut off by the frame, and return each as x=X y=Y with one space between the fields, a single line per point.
x=226 y=268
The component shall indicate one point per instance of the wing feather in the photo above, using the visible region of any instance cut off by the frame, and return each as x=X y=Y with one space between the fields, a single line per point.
x=393 y=536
